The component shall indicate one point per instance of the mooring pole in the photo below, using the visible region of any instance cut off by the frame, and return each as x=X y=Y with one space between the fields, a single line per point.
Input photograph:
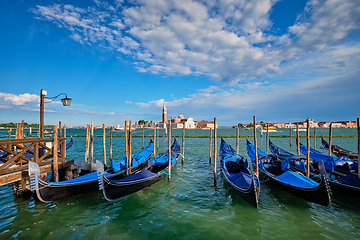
x=111 y=133
x=169 y=152
x=237 y=139
x=215 y=132
x=183 y=144
x=358 y=128
x=60 y=129
x=154 y=141
x=330 y=138
x=126 y=150
x=87 y=143
x=55 y=155
x=143 y=127
x=210 y=146
x=267 y=138
x=10 y=133
x=314 y=137
x=157 y=138
x=297 y=139
x=64 y=152
x=290 y=136
x=104 y=144
x=256 y=153
x=129 y=157
x=92 y=146
x=308 y=148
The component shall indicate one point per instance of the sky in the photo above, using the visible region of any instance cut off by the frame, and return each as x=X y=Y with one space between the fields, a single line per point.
x=281 y=61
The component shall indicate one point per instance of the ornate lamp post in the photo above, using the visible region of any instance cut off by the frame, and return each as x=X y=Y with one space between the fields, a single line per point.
x=65 y=101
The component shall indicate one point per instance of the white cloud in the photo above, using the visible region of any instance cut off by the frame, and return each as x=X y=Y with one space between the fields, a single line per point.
x=20 y=99
x=229 y=41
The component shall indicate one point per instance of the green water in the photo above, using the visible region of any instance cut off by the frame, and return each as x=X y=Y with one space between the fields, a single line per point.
x=189 y=207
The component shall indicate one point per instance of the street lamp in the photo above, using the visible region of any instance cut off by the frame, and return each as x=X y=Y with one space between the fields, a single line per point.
x=65 y=101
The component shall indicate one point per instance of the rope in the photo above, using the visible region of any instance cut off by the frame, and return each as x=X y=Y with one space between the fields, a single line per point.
x=165 y=173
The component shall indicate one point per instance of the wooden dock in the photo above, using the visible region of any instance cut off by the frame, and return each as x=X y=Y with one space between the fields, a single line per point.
x=49 y=154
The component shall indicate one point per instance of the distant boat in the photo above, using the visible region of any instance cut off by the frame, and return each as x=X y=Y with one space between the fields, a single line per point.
x=90 y=128
x=300 y=130
x=270 y=130
x=123 y=129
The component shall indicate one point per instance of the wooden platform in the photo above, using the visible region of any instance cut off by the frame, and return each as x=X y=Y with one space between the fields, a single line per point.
x=18 y=172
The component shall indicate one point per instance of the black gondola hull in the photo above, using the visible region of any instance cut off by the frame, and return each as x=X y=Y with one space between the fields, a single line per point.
x=114 y=191
x=250 y=195
x=319 y=195
x=48 y=193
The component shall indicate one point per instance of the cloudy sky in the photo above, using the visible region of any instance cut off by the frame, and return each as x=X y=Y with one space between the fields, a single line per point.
x=281 y=61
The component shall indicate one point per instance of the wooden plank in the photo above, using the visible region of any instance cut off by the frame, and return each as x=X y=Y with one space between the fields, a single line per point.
x=23 y=173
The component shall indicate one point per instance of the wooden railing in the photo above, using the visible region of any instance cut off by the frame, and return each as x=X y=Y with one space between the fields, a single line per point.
x=16 y=158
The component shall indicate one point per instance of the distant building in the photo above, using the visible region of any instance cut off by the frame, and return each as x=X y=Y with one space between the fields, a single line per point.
x=205 y=124
x=164 y=114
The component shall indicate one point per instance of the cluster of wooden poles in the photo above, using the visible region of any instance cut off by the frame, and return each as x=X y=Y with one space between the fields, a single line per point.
x=267 y=144
x=89 y=145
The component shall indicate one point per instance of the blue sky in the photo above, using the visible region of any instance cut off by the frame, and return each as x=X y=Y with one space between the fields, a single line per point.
x=282 y=61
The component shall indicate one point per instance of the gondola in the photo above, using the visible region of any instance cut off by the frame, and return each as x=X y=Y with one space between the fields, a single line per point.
x=156 y=170
x=342 y=172
x=238 y=173
x=341 y=164
x=277 y=172
x=338 y=151
x=51 y=191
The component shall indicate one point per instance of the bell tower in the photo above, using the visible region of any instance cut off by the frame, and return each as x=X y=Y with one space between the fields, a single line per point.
x=164 y=114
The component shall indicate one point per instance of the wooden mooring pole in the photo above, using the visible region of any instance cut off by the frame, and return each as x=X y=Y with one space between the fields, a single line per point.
x=267 y=138
x=87 y=143
x=169 y=152
x=143 y=128
x=126 y=150
x=157 y=138
x=215 y=148
x=129 y=157
x=55 y=155
x=358 y=128
x=297 y=139
x=237 y=139
x=210 y=146
x=256 y=153
x=60 y=129
x=183 y=144
x=154 y=141
x=104 y=144
x=330 y=138
x=92 y=146
x=314 y=137
x=290 y=135
x=308 y=148
x=111 y=133
x=10 y=133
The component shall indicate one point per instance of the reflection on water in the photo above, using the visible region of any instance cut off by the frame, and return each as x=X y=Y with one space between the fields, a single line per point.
x=189 y=207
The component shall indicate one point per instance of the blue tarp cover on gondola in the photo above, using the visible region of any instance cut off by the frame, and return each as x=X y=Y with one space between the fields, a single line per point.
x=136 y=158
x=287 y=177
x=137 y=176
x=251 y=152
x=163 y=158
x=241 y=179
x=351 y=180
x=296 y=179
x=329 y=161
x=84 y=178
